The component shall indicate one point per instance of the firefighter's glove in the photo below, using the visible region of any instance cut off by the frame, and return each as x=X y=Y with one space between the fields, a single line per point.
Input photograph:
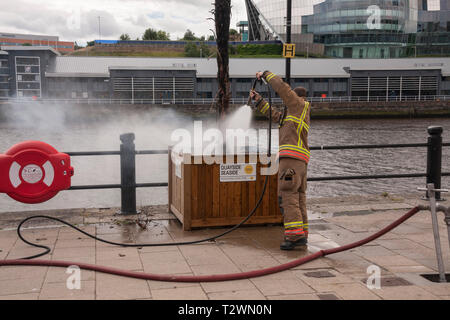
x=256 y=97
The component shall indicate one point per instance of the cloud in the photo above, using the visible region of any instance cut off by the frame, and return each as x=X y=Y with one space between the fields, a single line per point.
x=78 y=20
x=156 y=15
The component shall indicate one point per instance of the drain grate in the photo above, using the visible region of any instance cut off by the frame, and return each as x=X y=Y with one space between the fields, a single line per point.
x=320 y=274
x=327 y=296
x=392 y=282
x=435 y=277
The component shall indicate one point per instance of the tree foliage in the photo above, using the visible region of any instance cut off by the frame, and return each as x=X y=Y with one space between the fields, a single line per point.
x=124 y=37
x=152 y=34
x=189 y=36
x=162 y=35
x=194 y=50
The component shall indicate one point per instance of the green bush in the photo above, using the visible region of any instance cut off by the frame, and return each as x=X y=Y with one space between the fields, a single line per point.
x=258 y=49
x=192 y=50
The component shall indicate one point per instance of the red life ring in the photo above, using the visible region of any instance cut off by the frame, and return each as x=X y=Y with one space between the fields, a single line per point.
x=34 y=172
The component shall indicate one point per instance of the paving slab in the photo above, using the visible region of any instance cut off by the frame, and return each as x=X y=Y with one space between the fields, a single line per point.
x=402 y=256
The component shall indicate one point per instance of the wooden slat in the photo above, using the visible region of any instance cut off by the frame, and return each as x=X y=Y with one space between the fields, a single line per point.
x=187 y=186
x=201 y=181
x=215 y=190
x=181 y=188
x=199 y=199
x=177 y=213
x=273 y=193
x=244 y=194
x=237 y=200
x=208 y=191
x=223 y=194
x=252 y=195
x=259 y=189
x=230 y=198
x=194 y=185
x=170 y=179
x=232 y=221
x=266 y=200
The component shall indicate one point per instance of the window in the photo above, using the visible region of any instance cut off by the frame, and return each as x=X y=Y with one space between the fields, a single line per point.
x=382 y=53
x=27 y=61
x=361 y=53
x=28 y=76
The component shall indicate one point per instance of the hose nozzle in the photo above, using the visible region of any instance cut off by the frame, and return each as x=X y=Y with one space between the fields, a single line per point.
x=249 y=101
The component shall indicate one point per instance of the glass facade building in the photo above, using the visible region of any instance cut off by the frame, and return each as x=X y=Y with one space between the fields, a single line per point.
x=360 y=28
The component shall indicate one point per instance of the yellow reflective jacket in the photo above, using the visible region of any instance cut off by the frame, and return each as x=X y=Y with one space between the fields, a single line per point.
x=294 y=127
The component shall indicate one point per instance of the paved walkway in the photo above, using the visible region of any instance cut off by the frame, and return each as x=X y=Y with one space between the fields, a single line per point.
x=403 y=255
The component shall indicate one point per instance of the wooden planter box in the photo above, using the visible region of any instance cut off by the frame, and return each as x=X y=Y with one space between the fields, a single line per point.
x=198 y=198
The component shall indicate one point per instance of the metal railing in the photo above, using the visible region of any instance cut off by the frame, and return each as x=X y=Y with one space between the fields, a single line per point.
x=128 y=155
x=238 y=101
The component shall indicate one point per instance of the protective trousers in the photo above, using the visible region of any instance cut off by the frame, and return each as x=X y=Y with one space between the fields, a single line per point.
x=292 y=186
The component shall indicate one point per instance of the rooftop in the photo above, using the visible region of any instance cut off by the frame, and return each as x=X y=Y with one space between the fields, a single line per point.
x=245 y=68
x=30 y=48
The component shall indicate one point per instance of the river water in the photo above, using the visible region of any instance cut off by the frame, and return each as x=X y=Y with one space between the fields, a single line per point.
x=69 y=128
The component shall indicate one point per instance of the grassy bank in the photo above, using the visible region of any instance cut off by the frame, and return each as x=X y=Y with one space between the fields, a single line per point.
x=159 y=54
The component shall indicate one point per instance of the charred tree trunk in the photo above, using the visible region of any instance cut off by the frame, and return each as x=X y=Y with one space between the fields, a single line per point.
x=222 y=14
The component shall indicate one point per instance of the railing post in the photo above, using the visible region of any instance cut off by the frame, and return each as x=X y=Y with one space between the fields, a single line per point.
x=128 y=174
x=434 y=158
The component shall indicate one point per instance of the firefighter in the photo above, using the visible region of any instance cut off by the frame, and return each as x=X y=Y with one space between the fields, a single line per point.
x=293 y=154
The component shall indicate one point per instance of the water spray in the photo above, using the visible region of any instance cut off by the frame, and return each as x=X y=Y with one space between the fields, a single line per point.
x=47 y=249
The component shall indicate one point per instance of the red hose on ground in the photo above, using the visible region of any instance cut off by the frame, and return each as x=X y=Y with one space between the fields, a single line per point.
x=212 y=278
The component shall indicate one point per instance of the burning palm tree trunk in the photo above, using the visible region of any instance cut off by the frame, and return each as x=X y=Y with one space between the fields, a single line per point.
x=222 y=13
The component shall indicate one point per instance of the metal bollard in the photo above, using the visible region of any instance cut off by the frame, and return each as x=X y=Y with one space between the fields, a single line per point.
x=128 y=174
x=437 y=240
x=434 y=208
x=434 y=159
x=447 y=222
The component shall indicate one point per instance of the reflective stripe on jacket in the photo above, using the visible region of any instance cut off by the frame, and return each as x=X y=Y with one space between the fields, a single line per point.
x=294 y=127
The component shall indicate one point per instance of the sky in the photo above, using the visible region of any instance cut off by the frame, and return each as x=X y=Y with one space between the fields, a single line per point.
x=77 y=20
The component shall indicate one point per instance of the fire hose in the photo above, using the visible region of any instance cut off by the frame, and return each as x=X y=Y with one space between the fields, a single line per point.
x=219 y=277
x=206 y=278
x=252 y=212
